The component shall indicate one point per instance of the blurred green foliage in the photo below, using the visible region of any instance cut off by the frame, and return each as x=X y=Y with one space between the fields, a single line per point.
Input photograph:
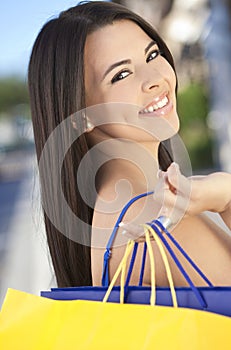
x=193 y=108
x=13 y=92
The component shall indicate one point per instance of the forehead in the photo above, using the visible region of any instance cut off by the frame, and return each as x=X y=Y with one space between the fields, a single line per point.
x=120 y=29
x=115 y=41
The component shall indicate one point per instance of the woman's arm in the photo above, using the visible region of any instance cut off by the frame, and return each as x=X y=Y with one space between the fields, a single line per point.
x=192 y=196
x=219 y=185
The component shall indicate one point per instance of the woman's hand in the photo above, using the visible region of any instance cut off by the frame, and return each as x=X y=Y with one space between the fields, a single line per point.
x=180 y=197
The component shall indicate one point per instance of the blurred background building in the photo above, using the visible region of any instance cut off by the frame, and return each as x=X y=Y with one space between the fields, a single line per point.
x=198 y=34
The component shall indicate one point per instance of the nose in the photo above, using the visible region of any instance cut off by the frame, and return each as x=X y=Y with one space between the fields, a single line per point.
x=152 y=80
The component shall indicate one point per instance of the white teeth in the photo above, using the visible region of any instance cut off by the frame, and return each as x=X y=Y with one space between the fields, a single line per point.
x=160 y=104
x=156 y=106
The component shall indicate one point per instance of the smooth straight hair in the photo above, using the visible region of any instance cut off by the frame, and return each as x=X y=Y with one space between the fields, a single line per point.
x=56 y=87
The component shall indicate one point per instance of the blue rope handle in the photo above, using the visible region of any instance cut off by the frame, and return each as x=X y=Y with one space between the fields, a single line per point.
x=130 y=269
x=180 y=267
x=183 y=252
x=131 y=266
x=107 y=254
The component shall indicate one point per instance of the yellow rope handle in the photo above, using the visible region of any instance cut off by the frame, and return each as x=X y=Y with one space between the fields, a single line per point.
x=166 y=263
x=121 y=266
x=122 y=277
x=122 y=269
x=152 y=266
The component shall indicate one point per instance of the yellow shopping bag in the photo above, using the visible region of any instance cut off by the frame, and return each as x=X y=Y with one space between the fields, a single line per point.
x=32 y=322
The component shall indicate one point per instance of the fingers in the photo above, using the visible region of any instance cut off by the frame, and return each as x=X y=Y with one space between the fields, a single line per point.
x=134 y=232
x=131 y=230
x=177 y=180
x=173 y=193
x=170 y=177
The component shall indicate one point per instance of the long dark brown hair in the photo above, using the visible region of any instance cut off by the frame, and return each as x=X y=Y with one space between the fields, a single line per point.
x=56 y=87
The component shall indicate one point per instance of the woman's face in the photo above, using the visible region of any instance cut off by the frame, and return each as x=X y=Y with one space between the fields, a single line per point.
x=123 y=64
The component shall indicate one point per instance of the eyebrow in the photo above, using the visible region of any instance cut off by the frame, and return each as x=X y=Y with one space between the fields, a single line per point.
x=126 y=61
x=116 y=64
x=152 y=43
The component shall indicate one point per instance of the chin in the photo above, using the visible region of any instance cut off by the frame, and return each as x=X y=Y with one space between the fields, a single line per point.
x=171 y=131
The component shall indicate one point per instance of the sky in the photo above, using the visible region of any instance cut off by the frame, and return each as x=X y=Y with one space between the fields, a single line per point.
x=20 y=22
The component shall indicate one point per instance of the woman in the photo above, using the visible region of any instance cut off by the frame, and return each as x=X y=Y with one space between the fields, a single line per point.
x=105 y=61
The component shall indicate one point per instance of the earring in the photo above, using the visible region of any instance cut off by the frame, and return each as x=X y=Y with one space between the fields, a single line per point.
x=89 y=125
x=86 y=123
x=73 y=122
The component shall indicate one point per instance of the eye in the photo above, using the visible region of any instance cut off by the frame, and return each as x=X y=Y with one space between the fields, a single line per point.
x=153 y=54
x=121 y=75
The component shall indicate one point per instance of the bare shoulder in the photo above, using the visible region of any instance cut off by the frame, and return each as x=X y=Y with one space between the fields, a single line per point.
x=107 y=210
x=208 y=245
x=108 y=207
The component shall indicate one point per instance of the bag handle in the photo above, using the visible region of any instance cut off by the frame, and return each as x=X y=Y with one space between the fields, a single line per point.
x=183 y=252
x=154 y=228
x=177 y=245
x=128 y=250
x=123 y=264
x=164 y=257
x=107 y=254
x=180 y=267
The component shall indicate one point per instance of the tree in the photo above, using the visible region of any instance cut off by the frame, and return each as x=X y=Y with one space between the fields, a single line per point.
x=13 y=92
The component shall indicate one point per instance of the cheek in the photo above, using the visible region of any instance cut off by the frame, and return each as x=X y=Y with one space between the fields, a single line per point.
x=123 y=93
x=167 y=72
x=93 y=94
x=171 y=76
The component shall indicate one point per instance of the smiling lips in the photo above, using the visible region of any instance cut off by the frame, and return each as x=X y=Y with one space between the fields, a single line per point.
x=160 y=106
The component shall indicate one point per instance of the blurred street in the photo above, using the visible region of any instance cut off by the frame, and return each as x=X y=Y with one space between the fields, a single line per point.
x=23 y=251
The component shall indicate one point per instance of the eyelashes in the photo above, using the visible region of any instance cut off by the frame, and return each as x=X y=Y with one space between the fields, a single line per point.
x=124 y=73
x=121 y=75
x=153 y=54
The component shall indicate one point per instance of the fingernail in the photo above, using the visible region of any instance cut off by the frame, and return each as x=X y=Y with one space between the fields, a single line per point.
x=121 y=224
x=124 y=232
